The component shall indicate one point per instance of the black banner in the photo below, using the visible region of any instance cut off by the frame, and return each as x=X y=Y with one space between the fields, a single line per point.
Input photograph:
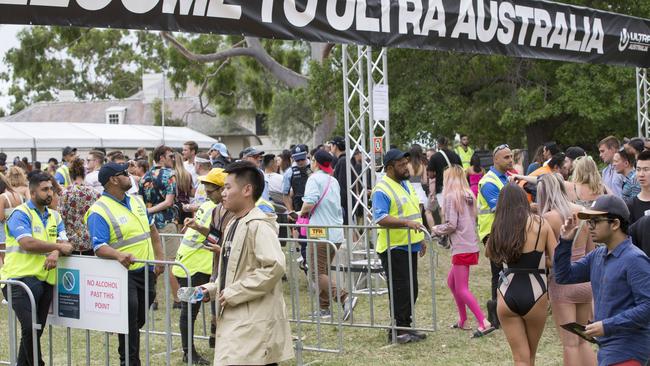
x=522 y=28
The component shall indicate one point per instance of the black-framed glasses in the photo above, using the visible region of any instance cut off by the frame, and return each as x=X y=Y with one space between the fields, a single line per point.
x=499 y=148
x=593 y=222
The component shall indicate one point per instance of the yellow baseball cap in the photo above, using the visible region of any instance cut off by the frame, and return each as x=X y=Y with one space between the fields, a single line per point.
x=215 y=176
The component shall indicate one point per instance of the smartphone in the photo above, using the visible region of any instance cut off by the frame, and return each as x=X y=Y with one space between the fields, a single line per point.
x=579 y=330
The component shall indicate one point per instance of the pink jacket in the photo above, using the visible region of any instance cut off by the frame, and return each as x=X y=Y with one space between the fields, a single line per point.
x=461 y=227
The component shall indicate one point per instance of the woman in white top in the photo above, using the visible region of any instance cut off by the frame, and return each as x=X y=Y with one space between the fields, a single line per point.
x=322 y=204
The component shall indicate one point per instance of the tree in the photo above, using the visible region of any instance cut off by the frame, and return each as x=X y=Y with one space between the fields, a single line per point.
x=94 y=63
x=274 y=75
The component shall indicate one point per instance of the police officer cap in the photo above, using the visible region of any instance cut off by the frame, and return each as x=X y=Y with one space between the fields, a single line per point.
x=394 y=154
x=110 y=170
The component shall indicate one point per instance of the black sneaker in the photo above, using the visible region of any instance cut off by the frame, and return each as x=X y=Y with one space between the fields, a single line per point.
x=154 y=305
x=402 y=337
x=197 y=360
x=417 y=334
x=177 y=305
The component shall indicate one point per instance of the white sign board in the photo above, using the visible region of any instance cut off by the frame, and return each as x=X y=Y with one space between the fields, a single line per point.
x=380 y=102
x=91 y=293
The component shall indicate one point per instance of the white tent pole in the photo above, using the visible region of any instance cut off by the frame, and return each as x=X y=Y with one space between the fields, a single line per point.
x=163 y=108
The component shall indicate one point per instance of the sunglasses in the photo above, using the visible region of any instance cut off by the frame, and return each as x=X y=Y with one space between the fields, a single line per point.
x=499 y=148
x=593 y=222
x=124 y=173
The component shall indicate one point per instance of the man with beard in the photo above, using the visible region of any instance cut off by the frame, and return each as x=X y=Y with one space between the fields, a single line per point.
x=396 y=206
x=121 y=229
x=35 y=238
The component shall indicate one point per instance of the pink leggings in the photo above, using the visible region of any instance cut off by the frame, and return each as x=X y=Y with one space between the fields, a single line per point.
x=458 y=282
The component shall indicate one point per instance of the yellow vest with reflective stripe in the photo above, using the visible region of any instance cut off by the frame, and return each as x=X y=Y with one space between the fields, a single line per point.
x=465 y=156
x=65 y=172
x=191 y=252
x=262 y=202
x=403 y=205
x=485 y=216
x=129 y=229
x=21 y=263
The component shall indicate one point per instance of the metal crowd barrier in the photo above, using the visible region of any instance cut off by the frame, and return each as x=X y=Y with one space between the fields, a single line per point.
x=357 y=269
x=365 y=267
x=76 y=335
x=12 y=323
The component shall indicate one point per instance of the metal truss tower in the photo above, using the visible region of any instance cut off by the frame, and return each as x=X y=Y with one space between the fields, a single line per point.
x=364 y=134
x=643 y=101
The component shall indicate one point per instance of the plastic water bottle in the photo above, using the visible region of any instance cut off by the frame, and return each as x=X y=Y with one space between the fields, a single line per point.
x=190 y=294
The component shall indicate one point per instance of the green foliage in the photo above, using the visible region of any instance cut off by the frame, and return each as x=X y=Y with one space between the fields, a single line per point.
x=496 y=99
x=238 y=81
x=94 y=63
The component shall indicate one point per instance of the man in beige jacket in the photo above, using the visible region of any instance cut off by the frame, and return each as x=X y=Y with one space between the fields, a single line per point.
x=252 y=325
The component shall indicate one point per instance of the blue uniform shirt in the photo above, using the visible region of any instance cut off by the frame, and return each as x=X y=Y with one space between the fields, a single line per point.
x=491 y=192
x=20 y=225
x=381 y=208
x=620 y=282
x=100 y=231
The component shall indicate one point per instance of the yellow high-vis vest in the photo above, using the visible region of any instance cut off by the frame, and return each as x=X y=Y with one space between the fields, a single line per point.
x=264 y=203
x=191 y=252
x=130 y=232
x=65 y=172
x=21 y=263
x=403 y=205
x=485 y=215
x=465 y=156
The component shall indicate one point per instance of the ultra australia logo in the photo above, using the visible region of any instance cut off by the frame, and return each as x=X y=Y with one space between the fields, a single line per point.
x=633 y=41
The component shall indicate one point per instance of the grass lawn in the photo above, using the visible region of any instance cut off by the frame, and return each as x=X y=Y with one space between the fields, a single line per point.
x=361 y=346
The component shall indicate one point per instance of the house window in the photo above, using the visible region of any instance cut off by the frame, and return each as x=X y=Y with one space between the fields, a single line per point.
x=114 y=119
x=260 y=125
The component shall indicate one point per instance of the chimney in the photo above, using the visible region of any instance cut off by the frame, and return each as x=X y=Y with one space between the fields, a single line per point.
x=152 y=87
x=66 y=96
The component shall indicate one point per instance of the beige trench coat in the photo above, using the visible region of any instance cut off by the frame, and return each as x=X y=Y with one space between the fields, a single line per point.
x=252 y=328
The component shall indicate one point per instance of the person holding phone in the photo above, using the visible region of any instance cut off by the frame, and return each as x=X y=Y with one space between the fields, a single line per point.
x=196 y=256
x=620 y=280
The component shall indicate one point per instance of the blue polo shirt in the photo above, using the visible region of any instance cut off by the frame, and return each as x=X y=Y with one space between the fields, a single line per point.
x=620 y=281
x=491 y=192
x=20 y=224
x=381 y=208
x=100 y=231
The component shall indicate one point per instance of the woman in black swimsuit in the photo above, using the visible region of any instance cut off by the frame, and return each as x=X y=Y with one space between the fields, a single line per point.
x=519 y=240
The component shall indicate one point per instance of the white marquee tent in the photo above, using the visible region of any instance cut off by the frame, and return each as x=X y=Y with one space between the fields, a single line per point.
x=16 y=136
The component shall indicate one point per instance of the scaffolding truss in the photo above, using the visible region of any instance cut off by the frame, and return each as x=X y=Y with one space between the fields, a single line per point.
x=643 y=101
x=362 y=70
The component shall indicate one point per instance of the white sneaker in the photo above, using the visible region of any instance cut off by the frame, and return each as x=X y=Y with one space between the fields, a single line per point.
x=4 y=302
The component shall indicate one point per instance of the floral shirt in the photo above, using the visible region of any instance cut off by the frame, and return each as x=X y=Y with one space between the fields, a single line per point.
x=154 y=186
x=75 y=200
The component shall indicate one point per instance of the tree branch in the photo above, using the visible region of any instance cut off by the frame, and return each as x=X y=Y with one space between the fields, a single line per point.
x=255 y=50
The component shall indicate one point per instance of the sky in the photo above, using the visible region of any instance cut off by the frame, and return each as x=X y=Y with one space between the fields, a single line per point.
x=7 y=41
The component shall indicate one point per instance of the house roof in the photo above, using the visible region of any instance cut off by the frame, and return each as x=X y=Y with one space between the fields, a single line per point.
x=185 y=107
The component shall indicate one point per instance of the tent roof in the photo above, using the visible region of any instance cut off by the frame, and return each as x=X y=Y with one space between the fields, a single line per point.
x=55 y=135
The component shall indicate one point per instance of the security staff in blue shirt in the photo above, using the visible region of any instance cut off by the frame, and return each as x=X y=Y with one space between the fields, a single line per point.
x=117 y=224
x=35 y=239
x=620 y=280
x=489 y=194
